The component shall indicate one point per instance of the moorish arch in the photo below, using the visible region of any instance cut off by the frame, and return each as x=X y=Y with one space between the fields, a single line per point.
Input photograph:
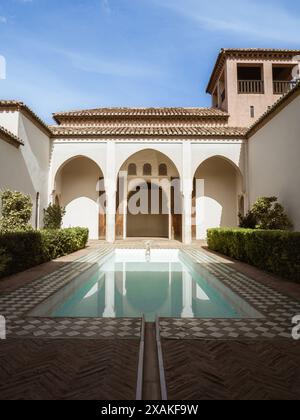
x=76 y=188
x=171 y=151
x=157 y=173
x=218 y=195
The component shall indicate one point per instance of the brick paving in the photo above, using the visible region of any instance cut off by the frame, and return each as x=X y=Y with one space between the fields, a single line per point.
x=204 y=359
x=69 y=369
x=232 y=370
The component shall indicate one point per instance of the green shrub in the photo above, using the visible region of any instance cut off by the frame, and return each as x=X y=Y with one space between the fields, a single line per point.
x=22 y=250
x=272 y=250
x=57 y=243
x=16 y=209
x=249 y=221
x=266 y=214
x=53 y=216
x=4 y=260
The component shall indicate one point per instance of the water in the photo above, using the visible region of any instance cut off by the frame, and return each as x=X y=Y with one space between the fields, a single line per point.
x=128 y=285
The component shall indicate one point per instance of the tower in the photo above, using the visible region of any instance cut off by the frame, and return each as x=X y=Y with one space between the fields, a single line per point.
x=245 y=82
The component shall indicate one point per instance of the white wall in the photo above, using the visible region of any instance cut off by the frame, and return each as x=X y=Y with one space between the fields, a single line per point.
x=183 y=157
x=76 y=186
x=25 y=169
x=171 y=149
x=274 y=161
x=217 y=196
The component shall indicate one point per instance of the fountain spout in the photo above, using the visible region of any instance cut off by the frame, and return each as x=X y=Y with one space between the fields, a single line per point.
x=148 y=250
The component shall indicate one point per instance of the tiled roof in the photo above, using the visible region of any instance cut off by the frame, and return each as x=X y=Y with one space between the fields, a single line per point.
x=143 y=112
x=249 y=53
x=20 y=106
x=277 y=107
x=10 y=137
x=172 y=131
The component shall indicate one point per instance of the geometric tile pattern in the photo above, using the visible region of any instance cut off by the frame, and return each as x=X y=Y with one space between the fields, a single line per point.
x=277 y=309
x=17 y=304
x=92 y=328
x=232 y=370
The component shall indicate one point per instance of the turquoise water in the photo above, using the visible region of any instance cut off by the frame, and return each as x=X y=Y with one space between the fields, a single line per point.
x=129 y=286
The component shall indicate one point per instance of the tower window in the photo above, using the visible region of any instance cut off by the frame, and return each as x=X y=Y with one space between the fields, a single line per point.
x=250 y=79
x=252 y=111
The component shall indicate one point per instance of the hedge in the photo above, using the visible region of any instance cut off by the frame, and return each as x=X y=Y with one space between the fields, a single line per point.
x=274 y=251
x=22 y=250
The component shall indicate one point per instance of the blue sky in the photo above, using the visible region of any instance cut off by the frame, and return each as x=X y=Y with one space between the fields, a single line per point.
x=70 y=54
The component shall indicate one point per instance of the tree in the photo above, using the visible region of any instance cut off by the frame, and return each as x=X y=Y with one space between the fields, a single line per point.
x=53 y=216
x=16 y=209
x=266 y=214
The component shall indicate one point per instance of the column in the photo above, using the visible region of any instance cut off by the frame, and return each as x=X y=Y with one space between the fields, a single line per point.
x=110 y=189
x=267 y=74
x=170 y=210
x=187 y=217
x=110 y=212
x=187 y=190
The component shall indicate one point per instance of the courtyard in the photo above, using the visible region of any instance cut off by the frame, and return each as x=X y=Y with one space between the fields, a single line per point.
x=173 y=358
x=149 y=233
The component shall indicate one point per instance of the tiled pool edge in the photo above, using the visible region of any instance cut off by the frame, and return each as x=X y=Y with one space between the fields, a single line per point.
x=16 y=306
x=277 y=308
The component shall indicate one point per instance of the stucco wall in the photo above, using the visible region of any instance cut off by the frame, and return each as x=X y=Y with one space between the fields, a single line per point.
x=238 y=105
x=182 y=157
x=25 y=169
x=216 y=195
x=274 y=166
x=77 y=191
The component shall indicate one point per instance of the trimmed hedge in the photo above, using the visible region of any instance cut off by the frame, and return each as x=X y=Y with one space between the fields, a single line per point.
x=271 y=250
x=23 y=250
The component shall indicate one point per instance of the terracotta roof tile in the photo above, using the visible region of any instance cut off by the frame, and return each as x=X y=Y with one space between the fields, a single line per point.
x=143 y=112
x=108 y=131
x=10 y=137
x=20 y=106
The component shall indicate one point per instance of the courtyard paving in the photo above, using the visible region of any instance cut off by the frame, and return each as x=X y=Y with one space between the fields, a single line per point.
x=203 y=358
x=68 y=369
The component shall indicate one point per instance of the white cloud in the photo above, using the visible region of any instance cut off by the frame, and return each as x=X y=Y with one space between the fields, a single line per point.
x=106 y=6
x=109 y=65
x=256 y=19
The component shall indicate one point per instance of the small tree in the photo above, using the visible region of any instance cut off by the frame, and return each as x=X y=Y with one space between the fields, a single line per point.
x=53 y=216
x=16 y=209
x=266 y=214
x=249 y=221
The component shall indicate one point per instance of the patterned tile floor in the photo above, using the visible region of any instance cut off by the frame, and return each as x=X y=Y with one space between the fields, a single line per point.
x=16 y=305
x=277 y=309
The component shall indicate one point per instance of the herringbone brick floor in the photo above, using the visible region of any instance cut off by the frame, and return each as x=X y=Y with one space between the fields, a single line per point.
x=211 y=370
x=39 y=369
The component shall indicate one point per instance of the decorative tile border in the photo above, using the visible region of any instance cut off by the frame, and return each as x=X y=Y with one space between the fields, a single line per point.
x=278 y=309
x=92 y=328
x=17 y=304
